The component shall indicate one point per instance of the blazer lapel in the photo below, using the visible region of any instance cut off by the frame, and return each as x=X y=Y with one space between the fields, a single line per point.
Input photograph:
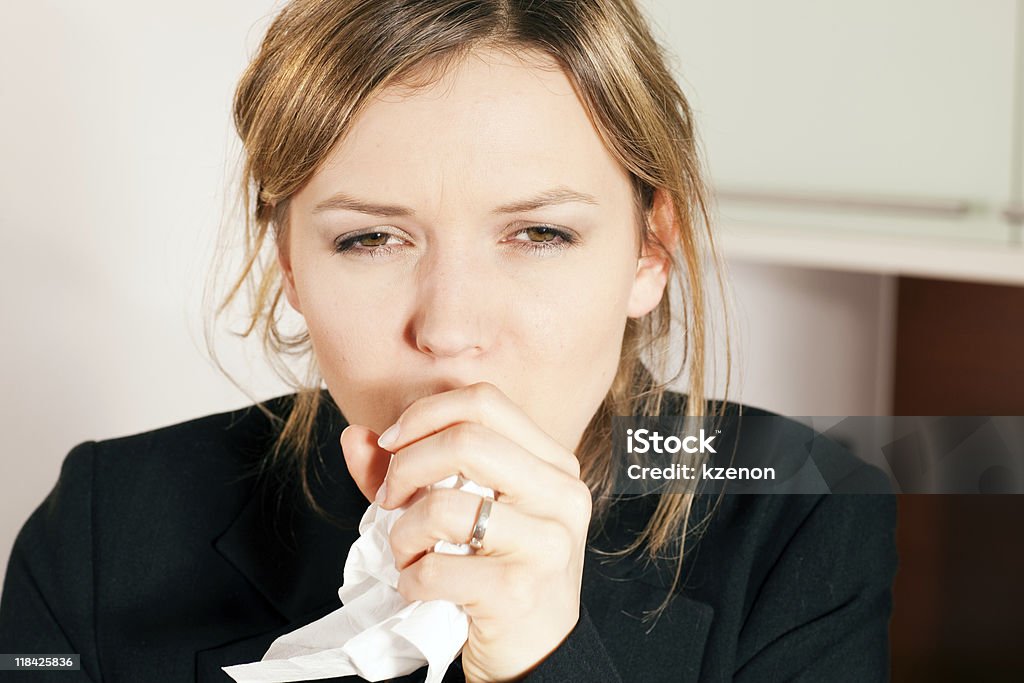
x=296 y=568
x=618 y=593
x=668 y=649
x=293 y=558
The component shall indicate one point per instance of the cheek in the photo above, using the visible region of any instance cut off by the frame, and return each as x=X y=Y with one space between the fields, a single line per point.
x=600 y=317
x=572 y=353
x=346 y=323
x=583 y=312
x=355 y=345
x=606 y=284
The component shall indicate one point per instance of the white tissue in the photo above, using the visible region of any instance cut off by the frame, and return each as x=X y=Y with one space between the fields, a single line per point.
x=376 y=634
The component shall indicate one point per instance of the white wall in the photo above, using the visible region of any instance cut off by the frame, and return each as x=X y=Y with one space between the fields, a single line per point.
x=811 y=342
x=117 y=146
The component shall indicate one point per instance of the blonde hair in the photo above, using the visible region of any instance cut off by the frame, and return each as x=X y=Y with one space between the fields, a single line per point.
x=322 y=60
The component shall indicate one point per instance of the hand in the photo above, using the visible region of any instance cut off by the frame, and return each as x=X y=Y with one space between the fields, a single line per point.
x=521 y=591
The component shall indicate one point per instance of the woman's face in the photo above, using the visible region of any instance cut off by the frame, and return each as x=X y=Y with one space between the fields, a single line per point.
x=474 y=229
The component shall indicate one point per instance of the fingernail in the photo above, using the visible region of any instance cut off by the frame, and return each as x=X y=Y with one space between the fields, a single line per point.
x=382 y=493
x=389 y=436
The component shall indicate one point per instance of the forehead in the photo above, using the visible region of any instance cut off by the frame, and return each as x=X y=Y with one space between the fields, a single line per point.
x=485 y=121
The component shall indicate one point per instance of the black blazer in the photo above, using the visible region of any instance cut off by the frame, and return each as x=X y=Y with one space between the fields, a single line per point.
x=157 y=558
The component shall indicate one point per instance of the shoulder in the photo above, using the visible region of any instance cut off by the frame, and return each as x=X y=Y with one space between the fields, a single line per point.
x=199 y=455
x=223 y=440
x=753 y=532
x=797 y=581
x=806 y=460
x=183 y=454
x=126 y=521
x=842 y=485
x=141 y=508
x=152 y=486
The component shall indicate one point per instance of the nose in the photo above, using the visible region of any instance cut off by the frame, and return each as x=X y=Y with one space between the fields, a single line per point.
x=454 y=305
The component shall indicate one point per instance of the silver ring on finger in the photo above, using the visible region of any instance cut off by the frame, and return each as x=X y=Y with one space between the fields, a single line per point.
x=483 y=515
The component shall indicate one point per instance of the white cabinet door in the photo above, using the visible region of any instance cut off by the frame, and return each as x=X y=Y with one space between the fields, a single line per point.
x=879 y=101
x=1015 y=210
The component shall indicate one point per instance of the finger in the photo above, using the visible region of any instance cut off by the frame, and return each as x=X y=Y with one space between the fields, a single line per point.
x=450 y=515
x=486 y=458
x=367 y=462
x=466 y=580
x=486 y=404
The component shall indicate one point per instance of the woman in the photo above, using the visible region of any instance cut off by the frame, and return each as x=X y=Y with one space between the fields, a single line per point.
x=476 y=208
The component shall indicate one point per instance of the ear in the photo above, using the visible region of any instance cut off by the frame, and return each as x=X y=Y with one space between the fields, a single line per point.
x=653 y=266
x=287 y=277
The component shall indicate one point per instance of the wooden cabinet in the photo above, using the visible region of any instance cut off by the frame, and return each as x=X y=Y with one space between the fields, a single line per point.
x=958 y=593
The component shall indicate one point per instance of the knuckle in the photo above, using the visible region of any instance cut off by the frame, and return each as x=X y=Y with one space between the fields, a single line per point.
x=483 y=389
x=395 y=542
x=554 y=545
x=402 y=559
x=415 y=581
x=428 y=570
x=485 y=396
x=440 y=505
x=580 y=503
x=407 y=584
x=572 y=465
x=398 y=540
x=462 y=436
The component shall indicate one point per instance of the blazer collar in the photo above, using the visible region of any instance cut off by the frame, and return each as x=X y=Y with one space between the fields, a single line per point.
x=295 y=561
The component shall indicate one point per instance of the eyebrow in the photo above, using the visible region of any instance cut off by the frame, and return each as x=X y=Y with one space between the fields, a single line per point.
x=557 y=195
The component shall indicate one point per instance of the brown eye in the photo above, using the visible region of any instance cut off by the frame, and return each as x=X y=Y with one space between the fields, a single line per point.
x=544 y=239
x=375 y=239
x=369 y=243
x=546 y=234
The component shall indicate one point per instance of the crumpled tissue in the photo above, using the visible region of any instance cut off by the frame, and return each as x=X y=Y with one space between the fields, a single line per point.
x=376 y=634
